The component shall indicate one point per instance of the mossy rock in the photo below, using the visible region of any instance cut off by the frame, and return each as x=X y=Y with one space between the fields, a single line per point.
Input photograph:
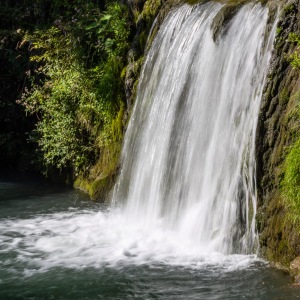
x=98 y=190
x=101 y=188
x=278 y=220
x=279 y=237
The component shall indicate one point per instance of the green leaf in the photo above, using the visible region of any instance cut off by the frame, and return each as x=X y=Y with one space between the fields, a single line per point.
x=106 y=18
x=92 y=26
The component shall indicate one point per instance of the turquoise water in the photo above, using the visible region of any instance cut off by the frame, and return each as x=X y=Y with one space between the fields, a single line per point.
x=52 y=247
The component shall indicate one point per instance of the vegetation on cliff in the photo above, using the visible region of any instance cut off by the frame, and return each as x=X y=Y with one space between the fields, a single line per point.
x=69 y=78
x=76 y=89
x=291 y=177
x=278 y=145
x=69 y=56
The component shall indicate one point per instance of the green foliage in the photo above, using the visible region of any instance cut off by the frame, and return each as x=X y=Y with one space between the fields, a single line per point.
x=279 y=31
x=291 y=181
x=289 y=8
x=111 y=30
x=76 y=91
x=294 y=58
x=290 y=184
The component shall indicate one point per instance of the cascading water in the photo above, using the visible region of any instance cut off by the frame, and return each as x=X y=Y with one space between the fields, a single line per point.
x=186 y=188
x=188 y=158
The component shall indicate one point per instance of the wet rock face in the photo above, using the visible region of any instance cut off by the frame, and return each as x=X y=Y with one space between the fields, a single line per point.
x=279 y=237
x=144 y=13
x=282 y=82
x=227 y=12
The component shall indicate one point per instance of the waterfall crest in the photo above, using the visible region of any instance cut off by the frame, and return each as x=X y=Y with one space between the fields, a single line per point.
x=188 y=159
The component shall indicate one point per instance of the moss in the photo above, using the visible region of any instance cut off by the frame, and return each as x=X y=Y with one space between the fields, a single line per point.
x=82 y=184
x=143 y=39
x=279 y=31
x=278 y=132
x=294 y=58
x=291 y=181
x=150 y=10
x=100 y=188
x=117 y=125
x=99 y=179
x=284 y=97
x=290 y=185
x=289 y=8
x=280 y=237
x=279 y=218
x=97 y=189
x=123 y=73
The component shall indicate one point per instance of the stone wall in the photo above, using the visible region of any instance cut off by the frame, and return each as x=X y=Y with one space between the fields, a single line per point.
x=278 y=120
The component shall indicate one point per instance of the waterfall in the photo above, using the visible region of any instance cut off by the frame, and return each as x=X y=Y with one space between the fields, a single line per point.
x=186 y=193
x=188 y=161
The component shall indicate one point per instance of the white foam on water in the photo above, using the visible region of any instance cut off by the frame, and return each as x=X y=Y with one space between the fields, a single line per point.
x=103 y=239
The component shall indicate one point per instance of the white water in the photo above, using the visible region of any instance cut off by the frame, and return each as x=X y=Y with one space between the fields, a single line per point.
x=186 y=189
x=76 y=240
x=188 y=159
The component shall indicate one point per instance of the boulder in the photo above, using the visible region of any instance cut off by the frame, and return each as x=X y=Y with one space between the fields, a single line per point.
x=295 y=269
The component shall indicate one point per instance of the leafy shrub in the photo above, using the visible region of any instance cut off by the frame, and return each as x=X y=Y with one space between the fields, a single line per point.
x=77 y=91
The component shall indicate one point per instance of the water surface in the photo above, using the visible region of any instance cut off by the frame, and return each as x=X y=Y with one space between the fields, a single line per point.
x=55 y=244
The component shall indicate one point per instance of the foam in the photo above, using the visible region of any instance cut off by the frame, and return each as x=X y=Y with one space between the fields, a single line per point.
x=98 y=239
